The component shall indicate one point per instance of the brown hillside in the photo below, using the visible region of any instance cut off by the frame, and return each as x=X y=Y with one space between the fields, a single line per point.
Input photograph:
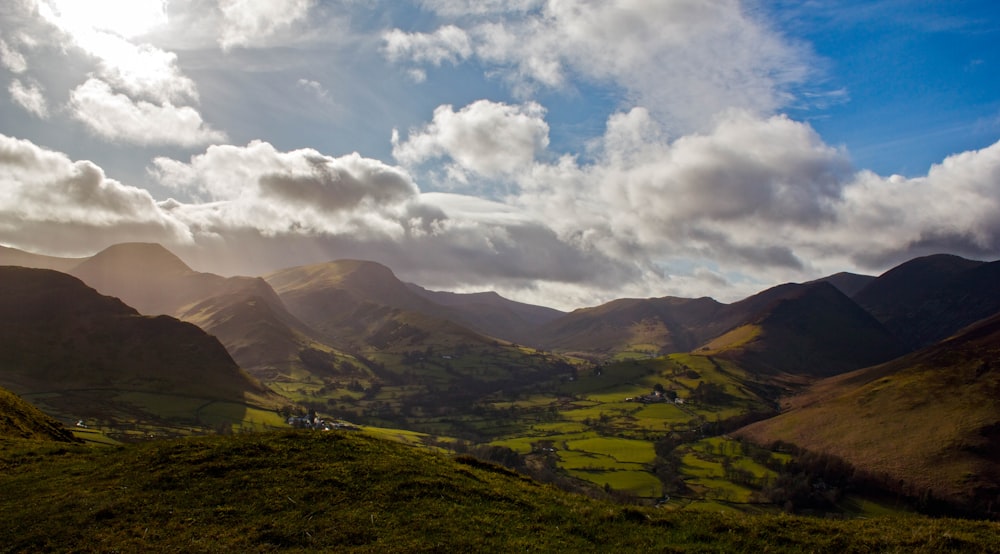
x=243 y=312
x=808 y=330
x=930 y=419
x=670 y=324
x=80 y=353
x=356 y=305
x=20 y=420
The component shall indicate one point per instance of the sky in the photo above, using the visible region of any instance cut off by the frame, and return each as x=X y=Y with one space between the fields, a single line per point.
x=561 y=152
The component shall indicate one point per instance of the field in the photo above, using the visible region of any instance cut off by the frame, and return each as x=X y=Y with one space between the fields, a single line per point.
x=348 y=492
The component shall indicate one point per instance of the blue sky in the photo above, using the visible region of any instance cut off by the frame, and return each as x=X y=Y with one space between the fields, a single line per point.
x=919 y=77
x=563 y=152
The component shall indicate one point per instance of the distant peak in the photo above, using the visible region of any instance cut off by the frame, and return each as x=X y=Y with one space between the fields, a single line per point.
x=150 y=257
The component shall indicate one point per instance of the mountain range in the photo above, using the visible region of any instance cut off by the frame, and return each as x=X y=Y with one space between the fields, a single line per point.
x=869 y=365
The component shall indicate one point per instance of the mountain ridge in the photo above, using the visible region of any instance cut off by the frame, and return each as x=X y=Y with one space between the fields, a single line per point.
x=928 y=418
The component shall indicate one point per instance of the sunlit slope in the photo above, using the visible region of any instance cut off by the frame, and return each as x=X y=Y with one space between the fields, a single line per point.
x=20 y=420
x=930 y=419
x=361 y=305
x=653 y=325
x=344 y=492
x=809 y=330
x=80 y=354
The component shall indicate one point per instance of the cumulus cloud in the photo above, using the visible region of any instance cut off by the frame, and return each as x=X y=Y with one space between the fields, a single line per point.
x=248 y=23
x=762 y=199
x=351 y=206
x=142 y=70
x=687 y=60
x=52 y=204
x=117 y=117
x=12 y=59
x=105 y=32
x=488 y=139
x=954 y=208
x=447 y=44
x=30 y=97
x=301 y=190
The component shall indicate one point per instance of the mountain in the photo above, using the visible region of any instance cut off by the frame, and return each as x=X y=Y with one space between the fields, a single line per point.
x=148 y=277
x=13 y=256
x=928 y=299
x=847 y=283
x=929 y=420
x=356 y=305
x=243 y=312
x=491 y=314
x=656 y=325
x=811 y=330
x=84 y=355
x=427 y=361
x=251 y=321
x=19 y=419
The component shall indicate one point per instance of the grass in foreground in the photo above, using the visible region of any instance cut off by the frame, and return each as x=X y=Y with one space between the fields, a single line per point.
x=344 y=491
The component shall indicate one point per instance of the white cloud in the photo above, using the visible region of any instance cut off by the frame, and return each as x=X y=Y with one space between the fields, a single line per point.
x=277 y=191
x=125 y=18
x=117 y=117
x=350 y=206
x=105 y=31
x=30 y=97
x=761 y=201
x=249 y=23
x=684 y=60
x=954 y=208
x=143 y=71
x=457 y=8
x=447 y=44
x=486 y=138
x=12 y=59
x=52 y=204
x=315 y=88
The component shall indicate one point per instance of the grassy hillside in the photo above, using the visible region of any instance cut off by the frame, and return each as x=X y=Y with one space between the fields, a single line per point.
x=360 y=305
x=633 y=326
x=929 y=421
x=810 y=330
x=19 y=419
x=340 y=491
x=80 y=355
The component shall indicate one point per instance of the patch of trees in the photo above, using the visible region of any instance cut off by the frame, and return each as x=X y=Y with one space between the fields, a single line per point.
x=814 y=481
x=710 y=393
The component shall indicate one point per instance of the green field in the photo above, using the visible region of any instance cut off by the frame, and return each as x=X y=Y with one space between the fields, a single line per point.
x=348 y=492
